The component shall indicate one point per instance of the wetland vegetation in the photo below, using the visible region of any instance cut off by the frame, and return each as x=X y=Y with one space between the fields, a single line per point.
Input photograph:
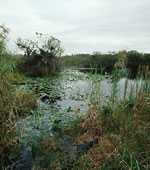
x=55 y=117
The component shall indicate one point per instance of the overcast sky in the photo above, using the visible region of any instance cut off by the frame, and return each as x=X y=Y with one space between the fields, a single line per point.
x=81 y=25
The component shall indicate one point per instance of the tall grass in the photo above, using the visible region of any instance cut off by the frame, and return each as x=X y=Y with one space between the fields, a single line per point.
x=122 y=128
x=13 y=104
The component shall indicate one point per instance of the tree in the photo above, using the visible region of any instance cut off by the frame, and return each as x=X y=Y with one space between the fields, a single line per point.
x=43 y=44
x=40 y=55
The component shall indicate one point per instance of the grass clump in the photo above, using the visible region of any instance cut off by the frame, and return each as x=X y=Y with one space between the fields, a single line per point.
x=24 y=102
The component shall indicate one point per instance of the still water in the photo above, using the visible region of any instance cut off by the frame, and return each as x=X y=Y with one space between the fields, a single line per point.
x=69 y=95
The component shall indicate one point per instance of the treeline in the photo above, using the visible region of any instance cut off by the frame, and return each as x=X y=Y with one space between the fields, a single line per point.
x=132 y=60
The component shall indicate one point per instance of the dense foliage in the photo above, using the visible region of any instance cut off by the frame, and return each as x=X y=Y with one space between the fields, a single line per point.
x=133 y=60
x=40 y=55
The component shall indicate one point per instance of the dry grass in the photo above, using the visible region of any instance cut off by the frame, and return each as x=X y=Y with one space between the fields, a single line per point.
x=7 y=126
x=92 y=125
x=12 y=106
x=24 y=102
x=106 y=146
x=132 y=135
x=47 y=145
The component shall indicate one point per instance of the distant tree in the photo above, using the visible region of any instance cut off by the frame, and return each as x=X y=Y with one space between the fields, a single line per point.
x=103 y=62
x=42 y=44
x=41 y=55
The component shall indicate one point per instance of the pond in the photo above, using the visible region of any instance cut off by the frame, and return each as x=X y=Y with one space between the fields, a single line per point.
x=68 y=96
x=71 y=90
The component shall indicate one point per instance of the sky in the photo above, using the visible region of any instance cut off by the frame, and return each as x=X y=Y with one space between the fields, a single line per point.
x=83 y=26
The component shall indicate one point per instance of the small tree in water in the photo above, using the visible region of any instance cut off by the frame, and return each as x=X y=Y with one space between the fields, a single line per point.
x=41 y=56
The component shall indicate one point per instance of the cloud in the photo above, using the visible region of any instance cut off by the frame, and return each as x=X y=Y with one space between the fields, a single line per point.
x=81 y=25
